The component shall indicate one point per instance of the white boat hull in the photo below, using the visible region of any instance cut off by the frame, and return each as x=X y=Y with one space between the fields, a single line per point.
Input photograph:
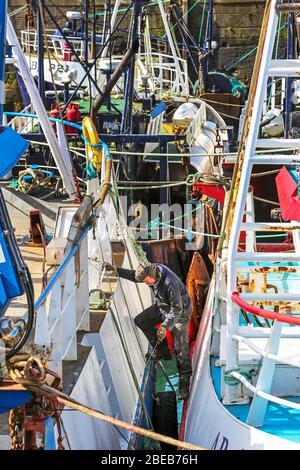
x=208 y=422
x=59 y=70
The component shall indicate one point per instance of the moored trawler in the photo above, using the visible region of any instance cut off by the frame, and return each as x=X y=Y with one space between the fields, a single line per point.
x=130 y=165
x=245 y=384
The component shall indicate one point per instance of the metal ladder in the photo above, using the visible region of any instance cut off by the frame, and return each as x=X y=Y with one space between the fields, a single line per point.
x=265 y=68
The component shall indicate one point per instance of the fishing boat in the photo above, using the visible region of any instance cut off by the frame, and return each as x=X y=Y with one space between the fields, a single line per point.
x=84 y=324
x=67 y=52
x=245 y=383
x=158 y=145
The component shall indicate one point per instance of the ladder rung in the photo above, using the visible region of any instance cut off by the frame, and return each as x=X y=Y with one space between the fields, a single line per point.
x=268 y=159
x=266 y=256
x=264 y=332
x=272 y=269
x=269 y=227
x=284 y=68
x=278 y=143
x=270 y=296
x=286 y=7
x=275 y=159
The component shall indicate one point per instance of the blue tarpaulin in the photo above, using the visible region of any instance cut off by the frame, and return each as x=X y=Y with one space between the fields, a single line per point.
x=12 y=147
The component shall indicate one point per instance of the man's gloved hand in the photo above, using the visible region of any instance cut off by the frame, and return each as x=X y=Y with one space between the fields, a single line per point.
x=108 y=266
x=161 y=333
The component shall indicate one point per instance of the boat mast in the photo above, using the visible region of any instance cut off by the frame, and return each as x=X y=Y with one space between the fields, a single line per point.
x=85 y=32
x=209 y=26
x=126 y=126
x=208 y=35
x=41 y=75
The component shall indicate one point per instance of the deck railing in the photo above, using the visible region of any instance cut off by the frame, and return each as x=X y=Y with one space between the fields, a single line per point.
x=63 y=307
x=23 y=124
x=163 y=72
x=57 y=44
x=270 y=358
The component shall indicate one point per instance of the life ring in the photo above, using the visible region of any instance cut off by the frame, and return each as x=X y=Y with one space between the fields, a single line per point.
x=93 y=154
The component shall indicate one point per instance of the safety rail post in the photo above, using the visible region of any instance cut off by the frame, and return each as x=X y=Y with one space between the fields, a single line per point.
x=250 y=236
x=82 y=290
x=3 y=14
x=63 y=143
x=260 y=402
x=259 y=405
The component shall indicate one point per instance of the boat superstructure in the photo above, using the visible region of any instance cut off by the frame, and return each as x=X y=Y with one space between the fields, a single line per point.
x=84 y=325
x=65 y=54
x=245 y=388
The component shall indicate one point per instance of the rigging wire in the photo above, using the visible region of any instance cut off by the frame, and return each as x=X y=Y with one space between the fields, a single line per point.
x=251 y=52
x=202 y=22
x=120 y=330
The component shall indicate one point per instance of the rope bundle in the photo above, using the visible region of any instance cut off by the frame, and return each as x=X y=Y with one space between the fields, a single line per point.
x=26 y=369
x=39 y=180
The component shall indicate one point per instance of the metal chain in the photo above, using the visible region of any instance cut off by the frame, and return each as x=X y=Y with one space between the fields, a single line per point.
x=16 y=425
x=29 y=17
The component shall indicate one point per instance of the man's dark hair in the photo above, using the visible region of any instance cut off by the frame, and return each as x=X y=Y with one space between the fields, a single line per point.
x=142 y=272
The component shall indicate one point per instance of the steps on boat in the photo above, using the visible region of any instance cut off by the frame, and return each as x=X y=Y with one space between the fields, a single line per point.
x=253 y=340
x=71 y=369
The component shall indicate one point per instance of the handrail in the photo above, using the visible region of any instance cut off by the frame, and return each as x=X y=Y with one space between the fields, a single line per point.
x=35 y=116
x=281 y=317
x=273 y=357
x=264 y=395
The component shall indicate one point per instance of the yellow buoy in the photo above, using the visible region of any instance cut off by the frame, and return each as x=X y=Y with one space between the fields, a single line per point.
x=93 y=154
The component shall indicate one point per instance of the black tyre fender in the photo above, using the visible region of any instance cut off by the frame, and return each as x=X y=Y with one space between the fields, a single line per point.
x=165 y=417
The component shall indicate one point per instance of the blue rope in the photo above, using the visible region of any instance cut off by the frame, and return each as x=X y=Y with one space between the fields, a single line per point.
x=34 y=116
x=68 y=123
x=89 y=171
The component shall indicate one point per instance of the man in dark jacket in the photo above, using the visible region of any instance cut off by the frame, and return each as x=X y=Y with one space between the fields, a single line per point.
x=172 y=308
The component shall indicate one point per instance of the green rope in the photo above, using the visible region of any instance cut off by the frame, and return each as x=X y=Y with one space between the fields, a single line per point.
x=242 y=58
x=154 y=223
x=98 y=300
x=89 y=171
x=189 y=181
x=202 y=21
x=14 y=184
x=121 y=10
x=167 y=185
x=190 y=232
x=189 y=10
x=272 y=236
x=252 y=50
x=141 y=254
x=232 y=381
x=278 y=37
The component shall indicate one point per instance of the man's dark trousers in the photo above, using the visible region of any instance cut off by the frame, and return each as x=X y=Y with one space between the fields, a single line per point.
x=148 y=319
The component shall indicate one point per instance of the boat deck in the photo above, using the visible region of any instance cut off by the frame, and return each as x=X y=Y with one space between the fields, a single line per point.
x=19 y=206
x=280 y=421
x=283 y=278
